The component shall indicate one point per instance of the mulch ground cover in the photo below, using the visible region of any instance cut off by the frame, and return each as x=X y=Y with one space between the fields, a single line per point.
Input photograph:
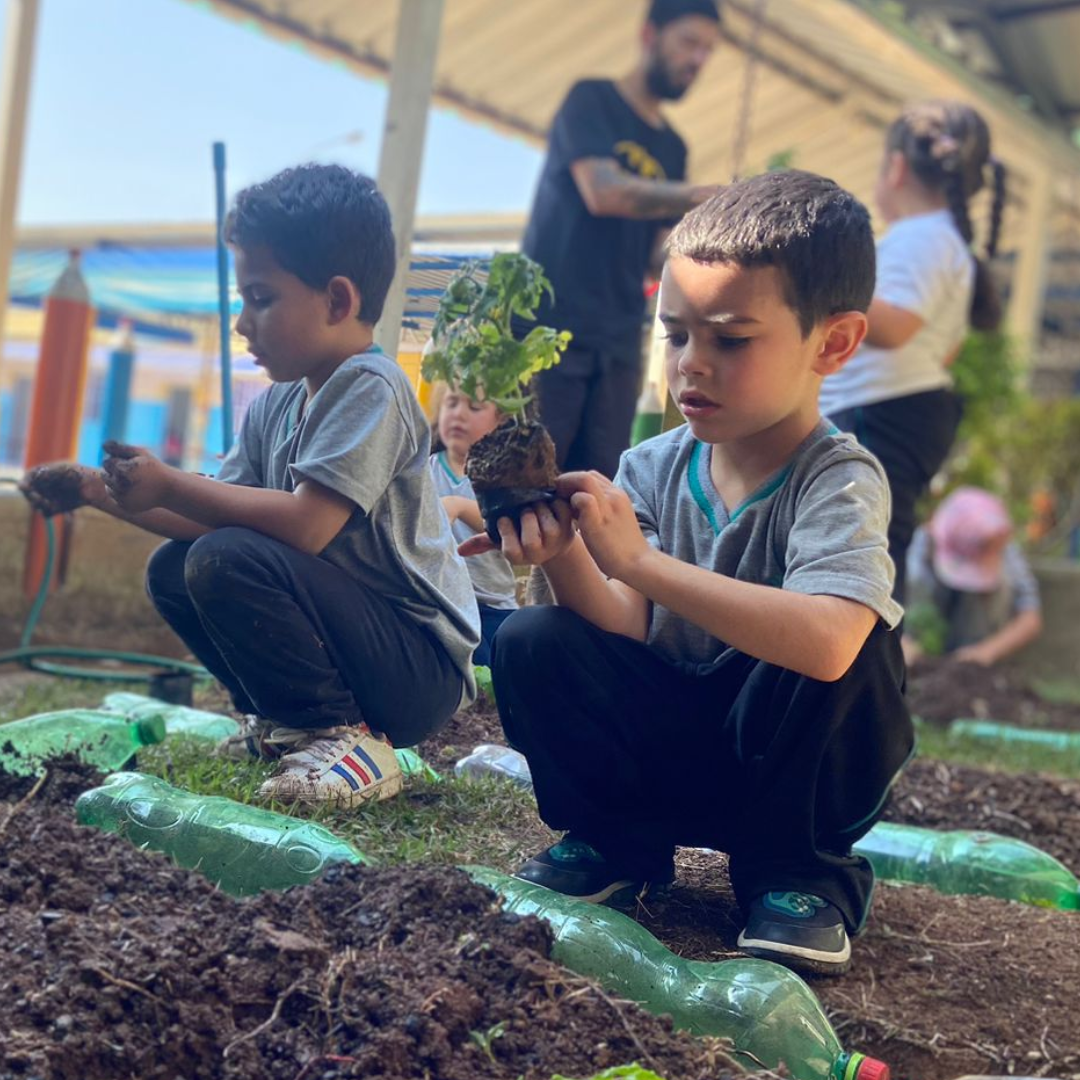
x=941 y=986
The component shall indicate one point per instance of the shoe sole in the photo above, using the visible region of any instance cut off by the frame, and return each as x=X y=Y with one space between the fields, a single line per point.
x=382 y=791
x=813 y=961
x=624 y=892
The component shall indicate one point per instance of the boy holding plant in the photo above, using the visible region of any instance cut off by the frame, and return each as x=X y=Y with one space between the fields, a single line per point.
x=723 y=667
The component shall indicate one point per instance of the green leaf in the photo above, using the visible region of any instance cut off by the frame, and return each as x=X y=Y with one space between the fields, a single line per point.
x=620 y=1072
x=475 y=348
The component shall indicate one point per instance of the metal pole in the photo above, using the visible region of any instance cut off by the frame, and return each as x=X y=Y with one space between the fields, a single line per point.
x=401 y=155
x=224 y=314
x=15 y=76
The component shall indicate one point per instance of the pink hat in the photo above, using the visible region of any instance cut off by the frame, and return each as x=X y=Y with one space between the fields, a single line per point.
x=969 y=529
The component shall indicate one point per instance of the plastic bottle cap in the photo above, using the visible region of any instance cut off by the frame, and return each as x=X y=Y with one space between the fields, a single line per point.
x=872 y=1069
x=151 y=729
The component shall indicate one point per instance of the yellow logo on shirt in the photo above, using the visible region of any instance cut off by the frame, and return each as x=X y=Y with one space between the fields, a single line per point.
x=638 y=160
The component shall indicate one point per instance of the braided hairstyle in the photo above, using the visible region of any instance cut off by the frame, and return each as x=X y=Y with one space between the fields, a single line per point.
x=947 y=146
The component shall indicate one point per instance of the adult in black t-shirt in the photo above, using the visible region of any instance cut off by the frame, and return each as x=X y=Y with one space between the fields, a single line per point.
x=611 y=187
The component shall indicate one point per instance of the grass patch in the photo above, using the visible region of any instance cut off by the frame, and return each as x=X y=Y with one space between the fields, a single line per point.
x=936 y=742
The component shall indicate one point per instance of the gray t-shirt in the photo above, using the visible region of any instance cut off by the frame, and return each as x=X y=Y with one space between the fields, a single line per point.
x=971 y=616
x=817 y=526
x=364 y=436
x=492 y=576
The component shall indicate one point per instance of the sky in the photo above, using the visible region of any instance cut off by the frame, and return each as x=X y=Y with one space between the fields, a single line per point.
x=129 y=95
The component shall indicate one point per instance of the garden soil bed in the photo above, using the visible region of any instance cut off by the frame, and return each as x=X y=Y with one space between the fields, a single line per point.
x=941 y=986
x=116 y=964
x=940 y=690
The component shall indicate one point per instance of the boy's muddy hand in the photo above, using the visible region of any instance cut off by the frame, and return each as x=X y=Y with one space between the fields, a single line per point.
x=605 y=517
x=134 y=477
x=545 y=531
x=61 y=486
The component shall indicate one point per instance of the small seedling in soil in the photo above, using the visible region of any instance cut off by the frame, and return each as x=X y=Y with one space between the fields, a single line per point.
x=56 y=488
x=476 y=351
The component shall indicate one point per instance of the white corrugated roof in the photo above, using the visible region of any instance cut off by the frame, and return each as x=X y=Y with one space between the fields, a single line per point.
x=829 y=76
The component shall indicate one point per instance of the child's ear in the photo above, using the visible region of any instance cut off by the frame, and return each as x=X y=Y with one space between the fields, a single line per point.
x=344 y=298
x=896 y=169
x=841 y=335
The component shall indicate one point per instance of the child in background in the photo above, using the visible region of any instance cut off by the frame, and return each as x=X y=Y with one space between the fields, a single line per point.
x=722 y=667
x=459 y=422
x=965 y=564
x=315 y=577
x=895 y=394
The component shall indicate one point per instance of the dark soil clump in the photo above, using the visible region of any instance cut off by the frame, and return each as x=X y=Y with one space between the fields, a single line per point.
x=1042 y=810
x=60 y=485
x=117 y=964
x=514 y=455
x=66 y=778
x=941 y=690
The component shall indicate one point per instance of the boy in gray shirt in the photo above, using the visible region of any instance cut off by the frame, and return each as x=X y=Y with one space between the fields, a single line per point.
x=316 y=576
x=723 y=666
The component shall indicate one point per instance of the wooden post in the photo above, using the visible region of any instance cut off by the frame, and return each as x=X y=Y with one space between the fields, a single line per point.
x=1028 y=294
x=15 y=73
x=402 y=153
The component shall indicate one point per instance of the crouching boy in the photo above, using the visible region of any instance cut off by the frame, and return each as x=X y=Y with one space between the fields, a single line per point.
x=316 y=577
x=723 y=667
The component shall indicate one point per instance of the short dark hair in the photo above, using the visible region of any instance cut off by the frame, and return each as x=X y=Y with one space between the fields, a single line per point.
x=321 y=221
x=813 y=231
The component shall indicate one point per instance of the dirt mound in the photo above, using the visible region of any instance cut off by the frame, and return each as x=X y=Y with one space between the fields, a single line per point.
x=118 y=964
x=1043 y=810
x=463 y=732
x=940 y=690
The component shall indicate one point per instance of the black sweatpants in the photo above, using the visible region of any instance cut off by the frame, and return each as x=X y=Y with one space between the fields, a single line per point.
x=587 y=403
x=295 y=639
x=635 y=755
x=911 y=436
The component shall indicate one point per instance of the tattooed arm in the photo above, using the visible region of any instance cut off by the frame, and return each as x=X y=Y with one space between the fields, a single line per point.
x=609 y=190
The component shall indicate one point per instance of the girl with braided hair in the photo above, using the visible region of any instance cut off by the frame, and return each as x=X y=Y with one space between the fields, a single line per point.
x=895 y=394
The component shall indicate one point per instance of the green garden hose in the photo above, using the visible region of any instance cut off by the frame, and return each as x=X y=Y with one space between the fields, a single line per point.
x=34 y=656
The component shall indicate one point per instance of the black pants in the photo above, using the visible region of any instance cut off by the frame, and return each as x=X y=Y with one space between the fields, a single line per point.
x=491 y=618
x=587 y=403
x=911 y=437
x=635 y=755
x=295 y=639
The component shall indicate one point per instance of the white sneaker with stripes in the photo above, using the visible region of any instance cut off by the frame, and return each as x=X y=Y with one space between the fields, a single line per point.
x=342 y=766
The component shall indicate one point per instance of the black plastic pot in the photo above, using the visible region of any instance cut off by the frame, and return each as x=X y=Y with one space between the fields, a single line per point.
x=498 y=503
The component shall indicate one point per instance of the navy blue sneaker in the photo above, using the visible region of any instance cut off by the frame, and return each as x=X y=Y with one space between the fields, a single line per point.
x=797 y=930
x=575 y=868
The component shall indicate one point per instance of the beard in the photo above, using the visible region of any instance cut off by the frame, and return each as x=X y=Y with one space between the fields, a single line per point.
x=660 y=83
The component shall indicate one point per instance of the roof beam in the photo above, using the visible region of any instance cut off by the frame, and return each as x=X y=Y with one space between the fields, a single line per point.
x=1032 y=11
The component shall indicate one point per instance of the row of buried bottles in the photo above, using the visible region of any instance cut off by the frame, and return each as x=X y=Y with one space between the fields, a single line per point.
x=957 y=862
x=767 y=1011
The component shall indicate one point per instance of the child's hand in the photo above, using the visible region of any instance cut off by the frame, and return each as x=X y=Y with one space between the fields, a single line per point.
x=461 y=509
x=606 y=520
x=134 y=477
x=974 y=654
x=546 y=530
x=61 y=486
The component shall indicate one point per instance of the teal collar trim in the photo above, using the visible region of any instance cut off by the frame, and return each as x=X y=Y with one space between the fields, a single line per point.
x=705 y=504
x=446 y=468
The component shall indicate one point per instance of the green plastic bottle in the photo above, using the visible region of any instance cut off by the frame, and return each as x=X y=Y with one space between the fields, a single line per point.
x=990 y=731
x=179 y=719
x=196 y=724
x=970 y=863
x=244 y=849
x=766 y=1010
x=102 y=739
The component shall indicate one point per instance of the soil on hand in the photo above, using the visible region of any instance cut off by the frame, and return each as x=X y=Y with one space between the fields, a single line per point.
x=513 y=456
x=60 y=485
x=118 y=964
x=940 y=690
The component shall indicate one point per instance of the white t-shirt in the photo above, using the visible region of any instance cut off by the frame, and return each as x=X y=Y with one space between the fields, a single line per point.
x=923 y=266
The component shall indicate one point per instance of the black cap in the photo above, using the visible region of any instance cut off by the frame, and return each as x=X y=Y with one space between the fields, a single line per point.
x=661 y=12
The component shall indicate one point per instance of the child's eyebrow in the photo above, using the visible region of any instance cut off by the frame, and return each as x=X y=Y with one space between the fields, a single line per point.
x=724 y=318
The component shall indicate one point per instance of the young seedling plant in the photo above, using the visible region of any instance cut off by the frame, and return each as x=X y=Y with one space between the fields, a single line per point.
x=476 y=352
